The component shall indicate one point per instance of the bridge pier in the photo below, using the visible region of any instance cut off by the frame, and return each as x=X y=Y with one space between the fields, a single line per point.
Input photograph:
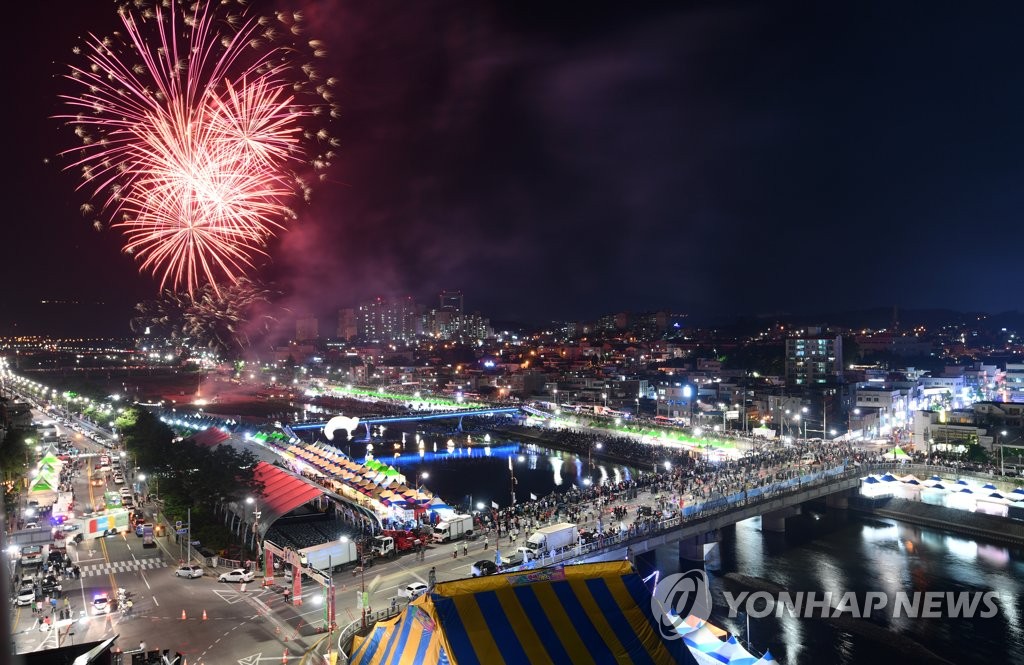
x=695 y=548
x=838 y=500
x=775 y=521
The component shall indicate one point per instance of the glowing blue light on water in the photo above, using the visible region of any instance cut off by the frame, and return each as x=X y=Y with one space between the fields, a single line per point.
x=418 y=456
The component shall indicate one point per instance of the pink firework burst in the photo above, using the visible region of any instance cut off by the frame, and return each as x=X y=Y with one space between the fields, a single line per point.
x=198 y=124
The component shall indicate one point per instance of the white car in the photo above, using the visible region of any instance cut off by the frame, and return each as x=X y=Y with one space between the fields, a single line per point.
x=191 y=572
x=27 y=594
x=119 y=480
x=412 y=591
x=101 y=605
x=237 y=575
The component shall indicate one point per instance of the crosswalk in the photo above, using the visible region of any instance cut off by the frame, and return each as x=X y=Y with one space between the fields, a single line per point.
x=115 y=567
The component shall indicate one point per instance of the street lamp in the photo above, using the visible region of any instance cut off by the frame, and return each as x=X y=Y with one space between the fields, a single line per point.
x=604 y=396
x=256 y=517
x=1002 y=466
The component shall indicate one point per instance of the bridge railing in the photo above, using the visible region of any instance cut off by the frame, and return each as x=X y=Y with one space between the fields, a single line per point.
x=734 y=501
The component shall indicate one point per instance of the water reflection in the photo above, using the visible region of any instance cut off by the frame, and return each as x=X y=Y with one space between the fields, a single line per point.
x=857 y=554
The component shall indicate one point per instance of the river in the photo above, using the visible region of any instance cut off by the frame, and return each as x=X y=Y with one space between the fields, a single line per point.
x=478 y=474
x=842 y=552
x=837 y=552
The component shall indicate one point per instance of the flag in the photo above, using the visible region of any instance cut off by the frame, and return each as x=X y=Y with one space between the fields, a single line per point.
x=494 y=505
x=533 y=497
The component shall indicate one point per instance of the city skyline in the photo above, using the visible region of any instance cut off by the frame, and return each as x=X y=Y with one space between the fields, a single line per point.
x=701 y=158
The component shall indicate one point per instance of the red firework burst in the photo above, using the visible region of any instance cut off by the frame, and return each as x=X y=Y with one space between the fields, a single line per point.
x=197 y=123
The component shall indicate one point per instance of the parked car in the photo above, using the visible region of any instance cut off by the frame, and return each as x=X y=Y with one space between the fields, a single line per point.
x=413 y=590
x=191 y=572
x=26 y=594
x=237 y=575
x=111 y=533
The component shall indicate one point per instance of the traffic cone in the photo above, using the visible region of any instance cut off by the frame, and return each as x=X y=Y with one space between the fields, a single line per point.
x=204 y=615
x=284 y=658
x=183 y=617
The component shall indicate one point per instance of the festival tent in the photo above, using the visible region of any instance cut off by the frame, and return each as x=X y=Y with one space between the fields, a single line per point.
x=1018 y=494
x=993 y=504
x=911 y=478
x=873 y=487
x=889 y=478
x=911 y=491
x=962 y=482
x=965 y=499
x=732 y=653
x=934 y=495
x=44 y=482
x=766 y=659
x=703 y=640
x=598 y=612
x=989 y=486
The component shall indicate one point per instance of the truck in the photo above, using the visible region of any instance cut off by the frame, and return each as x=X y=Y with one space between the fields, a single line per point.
x=553 y=538
x=329 y=556
x=31 y=555
x=458 y=526
x=390 y=543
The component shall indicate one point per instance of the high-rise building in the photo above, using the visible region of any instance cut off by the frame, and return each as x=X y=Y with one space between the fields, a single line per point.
x=306 y=329
x=348 y=326
x=391 y=320
x=450 y=322
x=813 y=359
x=451 y=301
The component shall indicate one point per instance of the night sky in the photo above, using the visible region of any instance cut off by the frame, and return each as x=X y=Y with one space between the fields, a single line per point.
x=563 y=160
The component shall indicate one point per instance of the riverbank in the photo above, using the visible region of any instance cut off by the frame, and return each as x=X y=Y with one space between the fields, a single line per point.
x=1002 y=530
x=553 y=443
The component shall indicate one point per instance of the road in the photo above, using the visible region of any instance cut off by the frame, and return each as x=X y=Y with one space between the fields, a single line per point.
x=222 y=623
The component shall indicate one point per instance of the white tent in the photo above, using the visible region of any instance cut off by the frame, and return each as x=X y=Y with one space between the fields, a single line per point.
x=911 y=491
x=702 y=640
x=993 y=504
x=732 y=653
x=965 y=499
x=872 y=487
x=766 y=659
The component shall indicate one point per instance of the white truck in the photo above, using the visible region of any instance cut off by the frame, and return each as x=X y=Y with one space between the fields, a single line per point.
x=459 y=526
x=330 y=555
x=553 y=538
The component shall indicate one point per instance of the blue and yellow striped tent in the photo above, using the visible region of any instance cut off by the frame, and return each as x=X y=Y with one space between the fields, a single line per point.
x=589 y=613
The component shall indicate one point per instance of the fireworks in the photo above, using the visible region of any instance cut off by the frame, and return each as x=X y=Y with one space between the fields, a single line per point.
x=200 y=127
x=218 y=319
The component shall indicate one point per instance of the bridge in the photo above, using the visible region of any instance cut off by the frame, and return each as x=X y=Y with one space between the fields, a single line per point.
x=417 y=417
x=697 y=527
